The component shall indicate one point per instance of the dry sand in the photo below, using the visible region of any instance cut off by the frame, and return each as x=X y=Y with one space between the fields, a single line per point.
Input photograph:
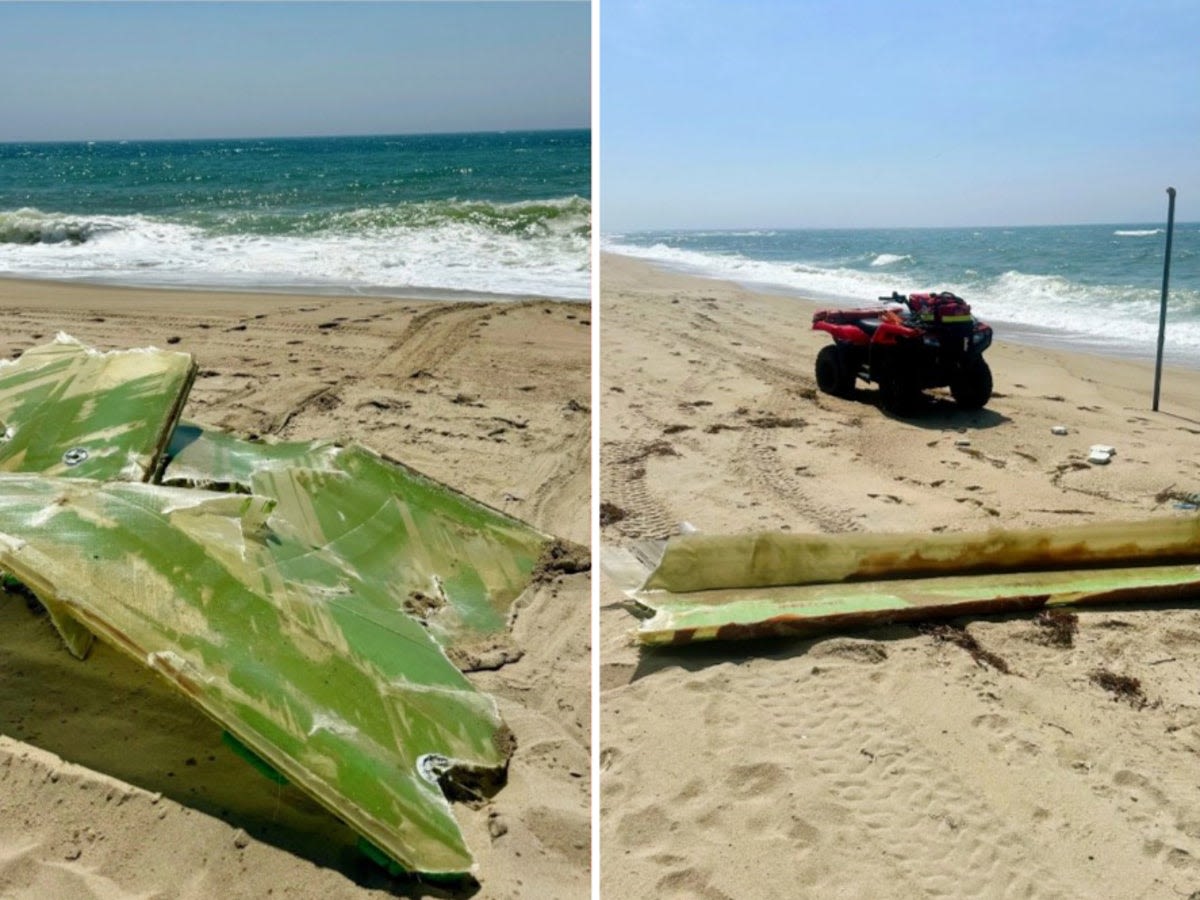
x=112 y=787
x=885 y=763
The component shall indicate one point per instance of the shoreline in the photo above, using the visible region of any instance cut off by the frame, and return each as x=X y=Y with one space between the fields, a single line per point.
x=1031 y=335
x=431 y=294
x=120 y=787
x=828 y=766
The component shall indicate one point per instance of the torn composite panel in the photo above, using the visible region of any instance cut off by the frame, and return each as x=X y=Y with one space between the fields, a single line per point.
x=715 y=588
x=453 y=562
x=67 y=409
x=307 y=665
x=281 y=611
x=71 y=410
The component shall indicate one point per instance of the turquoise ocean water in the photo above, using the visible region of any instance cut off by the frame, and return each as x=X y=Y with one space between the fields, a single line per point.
x=505 y=213
x=1092 y=287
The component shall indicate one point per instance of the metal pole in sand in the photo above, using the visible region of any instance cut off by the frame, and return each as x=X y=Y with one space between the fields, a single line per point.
x=1162 y=312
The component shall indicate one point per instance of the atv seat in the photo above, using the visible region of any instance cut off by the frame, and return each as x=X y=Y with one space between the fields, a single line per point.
x=869 y=325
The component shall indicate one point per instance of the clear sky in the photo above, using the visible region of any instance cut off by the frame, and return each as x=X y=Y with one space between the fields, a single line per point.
x=102 y=71
x=883 y=113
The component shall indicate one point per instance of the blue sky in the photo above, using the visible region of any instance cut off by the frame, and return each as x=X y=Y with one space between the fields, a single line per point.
x=102 y=71
x=884 y=113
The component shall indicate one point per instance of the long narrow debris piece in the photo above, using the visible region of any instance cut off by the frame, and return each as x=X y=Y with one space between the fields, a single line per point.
x=711 y=587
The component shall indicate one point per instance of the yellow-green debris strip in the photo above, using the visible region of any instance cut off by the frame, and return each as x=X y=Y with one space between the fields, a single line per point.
x=68 y=409
x=310 y=666
x=454 y=563
x=712 y=587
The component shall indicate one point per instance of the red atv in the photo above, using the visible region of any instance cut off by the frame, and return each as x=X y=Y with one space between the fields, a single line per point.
x=921 y=341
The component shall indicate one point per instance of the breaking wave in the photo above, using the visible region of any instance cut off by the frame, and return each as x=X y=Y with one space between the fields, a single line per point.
x=532 y=218
x=530 y=247
x=32 y=226
x=1139 y=232
x=887 y=259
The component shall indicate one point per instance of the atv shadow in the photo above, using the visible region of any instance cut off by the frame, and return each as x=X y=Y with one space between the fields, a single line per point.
x=934 y=411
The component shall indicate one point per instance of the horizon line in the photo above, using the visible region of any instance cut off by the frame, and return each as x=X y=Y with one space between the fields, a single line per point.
x=294 y=137
x=735 y=228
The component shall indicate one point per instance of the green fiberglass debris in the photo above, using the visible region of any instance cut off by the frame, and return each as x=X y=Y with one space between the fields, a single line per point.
x=302 y=595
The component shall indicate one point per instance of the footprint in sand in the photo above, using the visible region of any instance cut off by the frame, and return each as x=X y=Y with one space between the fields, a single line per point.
x=689 y=882
x=850 y=649
x=643 y=827
x=755 y=780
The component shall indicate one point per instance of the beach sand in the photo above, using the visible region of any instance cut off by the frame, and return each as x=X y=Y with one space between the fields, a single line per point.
x=112 y=786
x=885 y=762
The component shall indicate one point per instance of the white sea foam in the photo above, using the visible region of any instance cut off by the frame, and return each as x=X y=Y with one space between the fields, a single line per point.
x=887 y=259
x=1145 y=232
x=547 y=258
x=1123 y=319
x=838 y=284
x=1064 y=312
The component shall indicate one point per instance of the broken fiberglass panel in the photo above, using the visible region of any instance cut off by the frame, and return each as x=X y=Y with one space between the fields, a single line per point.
x=446 y=558
x=301 y=661
x=69 y=410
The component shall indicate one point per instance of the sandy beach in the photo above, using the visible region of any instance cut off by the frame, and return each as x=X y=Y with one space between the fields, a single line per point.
x=886 y=762
x=112 y=786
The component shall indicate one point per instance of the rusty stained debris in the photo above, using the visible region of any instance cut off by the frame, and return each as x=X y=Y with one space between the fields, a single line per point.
x=712 y=587
x=278 y=605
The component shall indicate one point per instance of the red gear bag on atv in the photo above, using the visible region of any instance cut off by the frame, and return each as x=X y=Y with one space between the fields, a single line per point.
x=942 y=310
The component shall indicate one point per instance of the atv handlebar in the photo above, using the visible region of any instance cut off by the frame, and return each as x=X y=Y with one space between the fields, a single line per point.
x=896 y=297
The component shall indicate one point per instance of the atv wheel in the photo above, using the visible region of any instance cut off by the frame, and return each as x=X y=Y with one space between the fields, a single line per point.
x=899 y=393
x=972 y=387
x=834 y=375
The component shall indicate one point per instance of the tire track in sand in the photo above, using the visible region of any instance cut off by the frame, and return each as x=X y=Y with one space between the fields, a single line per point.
x=757 y=461
x=624 y=483
x=918 y=816
x=759 y=465
x=431 y=336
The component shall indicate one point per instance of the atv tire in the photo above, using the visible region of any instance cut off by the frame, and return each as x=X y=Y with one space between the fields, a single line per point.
x=899 y=392
x=972 y=386
x=834 y=375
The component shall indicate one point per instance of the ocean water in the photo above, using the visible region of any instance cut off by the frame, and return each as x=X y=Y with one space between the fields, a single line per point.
x=1094 y=287
x=503 y=213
